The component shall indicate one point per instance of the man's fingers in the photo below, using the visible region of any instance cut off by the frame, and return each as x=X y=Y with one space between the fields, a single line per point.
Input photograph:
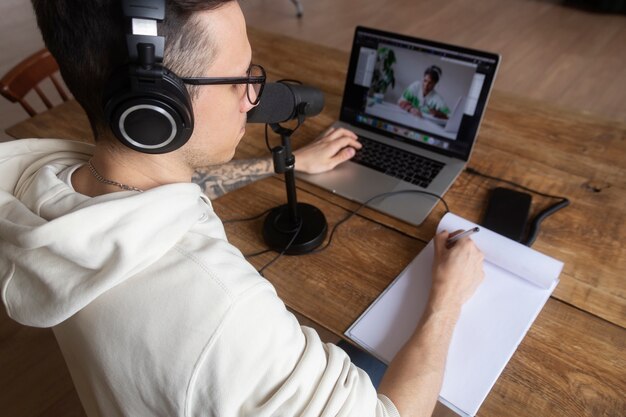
x=344 y=142
x=440 y=241
x=335 y=146
x=338 y=133
x=341 y=156
x=340 y=151
x=456 y=232
x=328 y=132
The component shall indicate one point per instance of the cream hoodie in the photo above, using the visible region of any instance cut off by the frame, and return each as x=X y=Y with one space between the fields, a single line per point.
x=155 y=312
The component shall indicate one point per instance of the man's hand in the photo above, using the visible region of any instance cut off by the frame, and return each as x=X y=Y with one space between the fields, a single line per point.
x=457 y=272
x=415 y=112
x=437 y=113
x=330 y=149
x=414 y=377
x=407 y=106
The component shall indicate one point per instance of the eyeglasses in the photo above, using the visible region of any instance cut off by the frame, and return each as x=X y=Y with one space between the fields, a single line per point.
x=255 y=80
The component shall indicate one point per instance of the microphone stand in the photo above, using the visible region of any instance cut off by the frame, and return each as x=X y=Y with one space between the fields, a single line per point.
x=293 y=228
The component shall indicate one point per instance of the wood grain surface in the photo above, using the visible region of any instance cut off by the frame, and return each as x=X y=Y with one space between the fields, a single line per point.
x=532 y=143
x=572 y=361
x=569 y=364
x=551 y=50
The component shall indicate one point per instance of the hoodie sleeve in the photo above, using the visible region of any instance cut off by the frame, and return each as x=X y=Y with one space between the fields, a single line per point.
x=262 y=363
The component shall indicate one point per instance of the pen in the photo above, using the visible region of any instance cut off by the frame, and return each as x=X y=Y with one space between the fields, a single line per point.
x=461 y=235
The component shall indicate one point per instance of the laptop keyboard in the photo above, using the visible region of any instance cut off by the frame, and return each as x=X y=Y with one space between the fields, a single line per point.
x=397 y=163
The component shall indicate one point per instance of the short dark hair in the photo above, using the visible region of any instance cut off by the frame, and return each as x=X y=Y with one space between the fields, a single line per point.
x=434 y=72
x=87 y=38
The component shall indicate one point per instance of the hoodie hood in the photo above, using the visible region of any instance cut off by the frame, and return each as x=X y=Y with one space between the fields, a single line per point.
x=59 y=250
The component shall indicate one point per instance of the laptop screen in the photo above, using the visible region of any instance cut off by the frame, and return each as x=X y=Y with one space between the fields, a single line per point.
x=420 y=92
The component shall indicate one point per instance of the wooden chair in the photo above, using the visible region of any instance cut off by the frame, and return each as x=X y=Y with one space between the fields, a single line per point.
x=27 y=75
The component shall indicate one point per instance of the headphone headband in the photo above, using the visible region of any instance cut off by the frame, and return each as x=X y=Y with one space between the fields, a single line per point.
x=144 y=15
x=147 y=106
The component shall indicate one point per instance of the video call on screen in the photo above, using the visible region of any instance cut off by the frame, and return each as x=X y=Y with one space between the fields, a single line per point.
x=440 y=110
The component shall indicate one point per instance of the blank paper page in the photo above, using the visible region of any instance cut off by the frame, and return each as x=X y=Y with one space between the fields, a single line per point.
x=492 y=324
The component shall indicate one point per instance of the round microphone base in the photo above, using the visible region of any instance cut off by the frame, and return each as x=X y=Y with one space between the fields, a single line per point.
x=279 y=230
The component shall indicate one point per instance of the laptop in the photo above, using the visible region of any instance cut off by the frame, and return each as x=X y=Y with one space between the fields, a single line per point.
x=414 y=149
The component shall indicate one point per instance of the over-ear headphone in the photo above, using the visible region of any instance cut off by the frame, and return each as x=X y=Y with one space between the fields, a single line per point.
x=146 y=105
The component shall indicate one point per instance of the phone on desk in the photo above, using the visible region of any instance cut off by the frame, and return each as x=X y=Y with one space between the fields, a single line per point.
x=507 y=213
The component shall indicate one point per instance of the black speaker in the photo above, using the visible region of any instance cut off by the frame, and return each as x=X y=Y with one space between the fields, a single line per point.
x=147 y=106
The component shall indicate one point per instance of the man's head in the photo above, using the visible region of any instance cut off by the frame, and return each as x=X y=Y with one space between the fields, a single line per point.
x=431 y=78
x=202 y=38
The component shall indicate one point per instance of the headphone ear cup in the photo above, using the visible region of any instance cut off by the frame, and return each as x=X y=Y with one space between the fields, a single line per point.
x=149 y=115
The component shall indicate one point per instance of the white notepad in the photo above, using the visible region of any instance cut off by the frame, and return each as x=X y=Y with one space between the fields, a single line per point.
x=518 y=282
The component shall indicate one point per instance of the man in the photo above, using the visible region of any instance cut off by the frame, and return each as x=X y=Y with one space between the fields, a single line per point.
x=155 y=312
x=421 y=97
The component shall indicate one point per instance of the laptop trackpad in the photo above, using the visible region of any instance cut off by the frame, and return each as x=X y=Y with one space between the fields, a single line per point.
x=353 y=181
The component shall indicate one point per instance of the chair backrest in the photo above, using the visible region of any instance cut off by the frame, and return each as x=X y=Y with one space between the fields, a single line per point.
x=27 y=75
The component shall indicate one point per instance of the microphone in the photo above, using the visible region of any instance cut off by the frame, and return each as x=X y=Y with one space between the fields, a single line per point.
x=282 y=101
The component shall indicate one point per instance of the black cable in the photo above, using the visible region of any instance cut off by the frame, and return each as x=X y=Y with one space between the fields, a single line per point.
x=533 y=231
x=261 y=252
x=388 y=194
x=253 y=254
x=295 y=235
x=340 y=222
x=246 y=219
x=474 y=171
x=533 y=228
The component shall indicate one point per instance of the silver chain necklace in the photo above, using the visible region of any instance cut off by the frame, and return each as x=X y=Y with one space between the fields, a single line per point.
x=103 y=180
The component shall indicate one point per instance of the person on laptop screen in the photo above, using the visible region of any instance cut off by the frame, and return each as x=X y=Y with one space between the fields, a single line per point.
x=421 y=97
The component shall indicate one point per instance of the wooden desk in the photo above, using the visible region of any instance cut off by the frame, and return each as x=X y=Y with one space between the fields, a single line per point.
x=571 y=363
